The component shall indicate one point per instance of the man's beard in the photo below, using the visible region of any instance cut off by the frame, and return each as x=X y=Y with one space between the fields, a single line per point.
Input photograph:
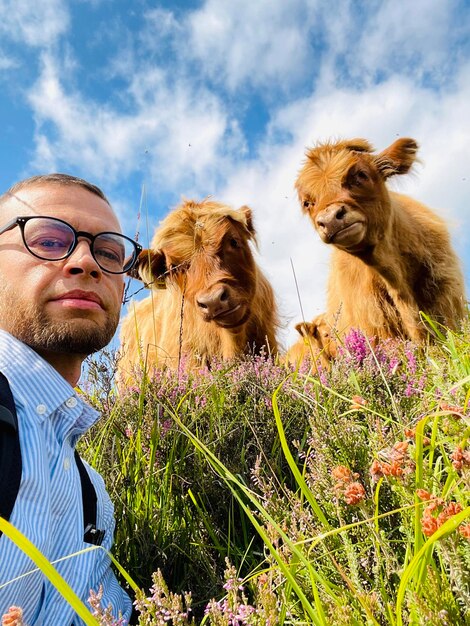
x=43 y=334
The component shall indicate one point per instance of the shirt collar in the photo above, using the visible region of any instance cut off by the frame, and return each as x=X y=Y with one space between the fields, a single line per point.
x=34 y=382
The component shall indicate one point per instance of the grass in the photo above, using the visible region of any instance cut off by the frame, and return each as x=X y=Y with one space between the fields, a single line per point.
x=292 y=497
x=254 y=494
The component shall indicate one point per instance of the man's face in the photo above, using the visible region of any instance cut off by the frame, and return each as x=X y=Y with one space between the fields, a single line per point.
x=69 y=306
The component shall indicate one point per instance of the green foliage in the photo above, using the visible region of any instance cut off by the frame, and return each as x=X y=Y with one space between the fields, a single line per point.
x=337 y=497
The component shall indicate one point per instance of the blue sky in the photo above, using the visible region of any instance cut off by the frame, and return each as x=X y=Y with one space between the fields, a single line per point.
x=159 y=100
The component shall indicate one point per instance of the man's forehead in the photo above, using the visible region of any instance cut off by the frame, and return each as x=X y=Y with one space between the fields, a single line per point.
x=70 y=202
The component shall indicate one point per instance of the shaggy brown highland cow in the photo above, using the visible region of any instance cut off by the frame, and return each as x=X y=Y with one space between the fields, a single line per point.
x=316 y=342
x=215 y=301
x=392 y=256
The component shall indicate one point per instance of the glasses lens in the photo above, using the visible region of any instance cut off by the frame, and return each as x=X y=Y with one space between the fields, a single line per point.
x=48 y=238
x=114 y=253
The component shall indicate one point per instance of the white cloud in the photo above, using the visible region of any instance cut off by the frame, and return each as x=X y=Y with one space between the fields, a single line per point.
x=160 y=23
x=38 y=23
x=176 y=132
x=8 y=62
x=418 y=39
x=263 y=43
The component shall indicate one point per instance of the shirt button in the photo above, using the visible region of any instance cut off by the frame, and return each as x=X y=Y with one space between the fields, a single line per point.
x=71 y=402
x=66 y=463
x=41 y=409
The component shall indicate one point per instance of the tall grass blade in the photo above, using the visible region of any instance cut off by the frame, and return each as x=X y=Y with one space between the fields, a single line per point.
x=446 y=529
x=49 y=571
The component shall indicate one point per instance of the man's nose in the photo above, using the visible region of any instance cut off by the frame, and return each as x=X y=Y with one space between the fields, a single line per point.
x=82 y=261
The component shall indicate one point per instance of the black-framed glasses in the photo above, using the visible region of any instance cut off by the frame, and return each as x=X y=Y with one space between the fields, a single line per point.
x=52 y=239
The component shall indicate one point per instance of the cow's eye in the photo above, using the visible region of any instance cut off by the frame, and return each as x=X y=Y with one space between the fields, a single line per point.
x=358 y=178
x=308 y=204
x=234 y=243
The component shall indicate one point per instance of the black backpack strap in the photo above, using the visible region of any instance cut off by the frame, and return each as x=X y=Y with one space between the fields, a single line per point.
x=10 y=452
x=92 y=534
x=11 y=467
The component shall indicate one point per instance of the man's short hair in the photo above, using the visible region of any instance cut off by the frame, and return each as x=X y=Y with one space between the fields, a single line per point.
x=54 y=179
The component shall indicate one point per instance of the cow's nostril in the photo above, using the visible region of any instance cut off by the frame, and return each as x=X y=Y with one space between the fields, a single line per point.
x=201 y=305
x=341 y=212
x=224 y=295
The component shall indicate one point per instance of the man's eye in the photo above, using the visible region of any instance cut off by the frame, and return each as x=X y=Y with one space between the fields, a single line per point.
x=49 y=243
x=110 y=254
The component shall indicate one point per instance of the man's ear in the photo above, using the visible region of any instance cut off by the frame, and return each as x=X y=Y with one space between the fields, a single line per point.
x=150 y=267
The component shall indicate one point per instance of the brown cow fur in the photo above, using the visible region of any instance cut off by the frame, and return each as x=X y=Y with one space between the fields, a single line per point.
x=201 y=250
x=392 y=256
x=316 y=342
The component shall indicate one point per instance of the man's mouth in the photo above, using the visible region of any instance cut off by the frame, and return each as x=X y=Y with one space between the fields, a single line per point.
x=79 y=299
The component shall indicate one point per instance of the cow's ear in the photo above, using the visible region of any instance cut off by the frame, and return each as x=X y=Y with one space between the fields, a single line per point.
x=306 y=329
x=248 y=214
x=397 y=158
x=312 y=328
x=151 y=265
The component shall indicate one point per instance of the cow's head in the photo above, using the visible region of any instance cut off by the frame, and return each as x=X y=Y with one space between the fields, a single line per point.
x=203 y=250
x=318 y=334
x=341 y=186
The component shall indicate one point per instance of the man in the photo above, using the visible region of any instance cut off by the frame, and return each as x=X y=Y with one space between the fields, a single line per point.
x=62 y=266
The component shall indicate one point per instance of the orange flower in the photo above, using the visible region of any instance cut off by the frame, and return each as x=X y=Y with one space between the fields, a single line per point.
x=451 y=408
x=435 y=504
x=423 y=494
x=428 y=525
x=464 y=530
x=357 y=402
x=451 y=509
x=411 y=434
x=14 y=617
x=354 y=493
x=399 y=451
x=342 y=473
x=395 y=469
x=376 y=470
x=460 y=458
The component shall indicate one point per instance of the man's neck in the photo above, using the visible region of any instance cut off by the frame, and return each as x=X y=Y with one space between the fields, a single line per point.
x=69 y=366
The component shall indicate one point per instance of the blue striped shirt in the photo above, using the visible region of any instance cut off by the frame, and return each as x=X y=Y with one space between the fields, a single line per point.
x=48 y=508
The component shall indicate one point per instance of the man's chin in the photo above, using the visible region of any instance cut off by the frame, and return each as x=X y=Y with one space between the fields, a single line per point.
x=77 y=336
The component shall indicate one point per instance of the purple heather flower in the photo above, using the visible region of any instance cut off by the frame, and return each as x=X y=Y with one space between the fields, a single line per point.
x=412 y=365
x=356 y=344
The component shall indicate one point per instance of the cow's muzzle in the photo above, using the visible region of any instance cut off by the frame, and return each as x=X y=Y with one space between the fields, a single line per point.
x=220 y=306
